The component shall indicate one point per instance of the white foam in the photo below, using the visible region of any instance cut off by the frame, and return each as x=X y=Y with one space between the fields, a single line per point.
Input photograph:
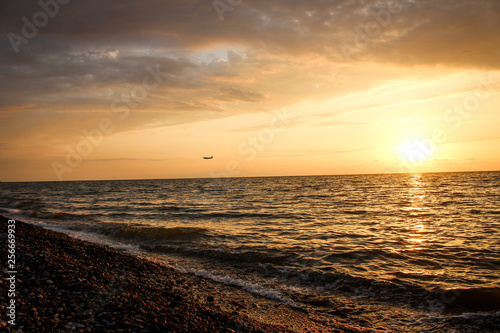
x=470 y=316
x=91 y=237
x=477 y=315
x=251 y=287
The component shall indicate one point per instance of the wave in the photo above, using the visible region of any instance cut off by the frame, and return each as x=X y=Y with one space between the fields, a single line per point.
x=477 y=211
x=43 y=214
x=10 y=211
x=59 y=216
x=336 y=282
x=48 y=215
x=473 y=299
x=251 y=287
x=171 y=208
x=355 y=212
x=416 y=276
x=227 y=255
x=26 y=204
x=238 y=214
x=363 y=254
x=142 y=233
x=269 y=263
x=283 y=267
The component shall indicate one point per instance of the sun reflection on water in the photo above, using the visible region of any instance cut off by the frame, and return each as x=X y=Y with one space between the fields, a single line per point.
x=417 y=228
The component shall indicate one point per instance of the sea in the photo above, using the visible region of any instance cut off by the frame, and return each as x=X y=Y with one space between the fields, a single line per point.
x=393 y=252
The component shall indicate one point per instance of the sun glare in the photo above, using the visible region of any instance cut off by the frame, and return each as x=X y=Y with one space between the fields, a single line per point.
x=416 y=152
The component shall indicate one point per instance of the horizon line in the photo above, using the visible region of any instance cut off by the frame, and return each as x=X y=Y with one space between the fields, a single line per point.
x=268 y=176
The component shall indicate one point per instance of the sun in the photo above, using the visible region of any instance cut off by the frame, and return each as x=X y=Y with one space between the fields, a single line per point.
x=417 y=152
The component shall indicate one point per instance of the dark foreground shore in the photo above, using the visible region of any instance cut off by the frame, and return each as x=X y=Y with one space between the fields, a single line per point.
x=67 y=285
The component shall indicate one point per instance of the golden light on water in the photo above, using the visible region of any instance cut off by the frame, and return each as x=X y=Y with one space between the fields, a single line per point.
x=416 y=234
x=417 y=225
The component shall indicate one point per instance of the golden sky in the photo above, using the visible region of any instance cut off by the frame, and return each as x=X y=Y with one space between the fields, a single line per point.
x=144 y=89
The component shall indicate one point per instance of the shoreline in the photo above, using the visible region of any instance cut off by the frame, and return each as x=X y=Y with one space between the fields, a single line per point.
x=68 y=285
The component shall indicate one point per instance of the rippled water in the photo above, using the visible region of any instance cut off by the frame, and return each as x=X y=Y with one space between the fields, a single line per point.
x=413 y=239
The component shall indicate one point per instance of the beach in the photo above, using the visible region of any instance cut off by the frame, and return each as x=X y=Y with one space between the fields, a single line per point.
x=67 y=285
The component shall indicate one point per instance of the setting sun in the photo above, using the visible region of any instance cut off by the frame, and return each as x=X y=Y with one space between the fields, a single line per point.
x=416 y=152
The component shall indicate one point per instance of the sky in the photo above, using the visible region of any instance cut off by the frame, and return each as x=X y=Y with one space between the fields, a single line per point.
x=122 y=89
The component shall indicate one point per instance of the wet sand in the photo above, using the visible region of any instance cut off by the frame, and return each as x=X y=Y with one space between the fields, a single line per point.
x=68 y=285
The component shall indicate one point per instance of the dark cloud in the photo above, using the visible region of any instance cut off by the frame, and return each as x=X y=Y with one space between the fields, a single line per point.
x=92 y=52
x=448 y=33
x=57 y=74
x=279 y=26
x=240 y=95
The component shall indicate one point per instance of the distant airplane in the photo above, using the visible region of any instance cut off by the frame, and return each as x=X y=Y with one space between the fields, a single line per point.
x=207 y=157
